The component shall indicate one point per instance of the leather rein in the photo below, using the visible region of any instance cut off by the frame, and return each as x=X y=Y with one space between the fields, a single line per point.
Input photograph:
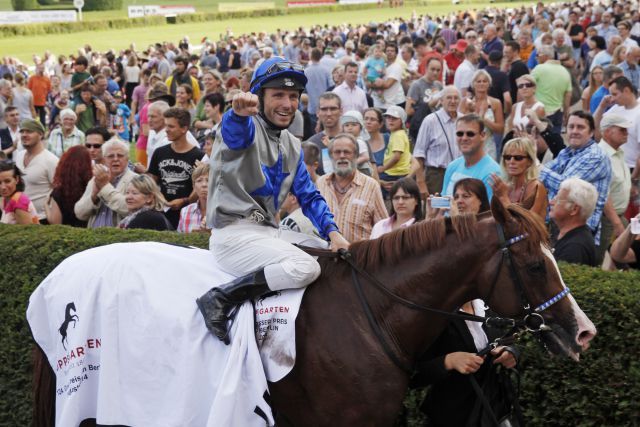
x=532 y=321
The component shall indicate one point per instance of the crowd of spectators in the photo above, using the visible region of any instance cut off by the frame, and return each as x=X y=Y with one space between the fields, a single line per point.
x=539 y=103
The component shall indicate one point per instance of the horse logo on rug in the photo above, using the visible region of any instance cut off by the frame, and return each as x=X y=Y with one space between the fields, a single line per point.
x=68 y=318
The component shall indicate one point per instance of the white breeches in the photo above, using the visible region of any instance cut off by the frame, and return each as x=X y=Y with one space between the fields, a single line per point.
x=244 y=247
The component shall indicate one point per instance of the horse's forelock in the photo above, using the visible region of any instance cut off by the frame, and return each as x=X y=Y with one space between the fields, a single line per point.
x=531 y=224
x=411 y=241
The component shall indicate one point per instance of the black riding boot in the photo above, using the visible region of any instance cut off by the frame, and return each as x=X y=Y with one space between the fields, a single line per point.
x=218 y=303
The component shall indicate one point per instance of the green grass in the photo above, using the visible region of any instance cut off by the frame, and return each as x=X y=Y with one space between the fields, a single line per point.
x=26 y=46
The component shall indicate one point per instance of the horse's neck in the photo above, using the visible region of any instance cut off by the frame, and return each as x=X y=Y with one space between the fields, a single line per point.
x=431 y=283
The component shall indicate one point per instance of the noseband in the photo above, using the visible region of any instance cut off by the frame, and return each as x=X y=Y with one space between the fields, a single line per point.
x=532 y=320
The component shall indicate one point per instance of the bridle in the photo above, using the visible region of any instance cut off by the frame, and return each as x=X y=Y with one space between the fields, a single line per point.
x=532 y=321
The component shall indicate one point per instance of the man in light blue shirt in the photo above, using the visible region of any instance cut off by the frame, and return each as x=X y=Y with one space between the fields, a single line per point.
x=474 y=163
x=318 y=81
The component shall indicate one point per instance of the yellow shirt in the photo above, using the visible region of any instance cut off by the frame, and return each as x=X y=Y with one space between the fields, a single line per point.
x=399 y=141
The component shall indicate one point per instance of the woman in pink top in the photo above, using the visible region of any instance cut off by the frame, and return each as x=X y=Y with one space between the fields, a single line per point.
x=406 y=208
x=17 y=208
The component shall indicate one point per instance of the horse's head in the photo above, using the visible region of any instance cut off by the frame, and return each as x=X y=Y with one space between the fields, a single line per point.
x=523 y=273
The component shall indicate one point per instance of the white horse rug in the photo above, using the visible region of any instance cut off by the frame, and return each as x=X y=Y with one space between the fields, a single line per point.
x=121 y=329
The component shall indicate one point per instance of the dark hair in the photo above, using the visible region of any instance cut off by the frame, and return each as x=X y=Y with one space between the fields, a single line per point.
x=432 y=58
x=9 y=109
x=621 y=83
x=392 y=45
x=8 y=165
x=86 y=88
x=419 y=41
x=98 y=130
x=351 y=65
x=409 y=186
x=311 y=153
x=514 y=45
x=182 y=59
x=478 y=189
x=585 y=116
x=375 y=110
x=472 y=118
x=82 y=60
x=316 y=54
x=600 y=42
x=470 y=50
x=180 y=114
x=72 y=175
x=215 y=99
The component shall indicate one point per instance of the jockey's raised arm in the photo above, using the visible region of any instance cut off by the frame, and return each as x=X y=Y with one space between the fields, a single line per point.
x=257 y=162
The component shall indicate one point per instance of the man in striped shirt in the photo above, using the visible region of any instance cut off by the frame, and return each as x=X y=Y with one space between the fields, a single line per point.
x=354 y=198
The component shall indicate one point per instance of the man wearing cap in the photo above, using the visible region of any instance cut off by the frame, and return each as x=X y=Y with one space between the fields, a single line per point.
x=66 y=135
x=614 y=129
x=37 y=165
x=262 y=165
x=454 y=58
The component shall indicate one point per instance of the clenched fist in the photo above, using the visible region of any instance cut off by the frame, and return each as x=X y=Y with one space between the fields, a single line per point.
x=245 y=104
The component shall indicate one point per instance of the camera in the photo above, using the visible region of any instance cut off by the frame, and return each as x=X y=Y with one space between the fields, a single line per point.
x=440 y=202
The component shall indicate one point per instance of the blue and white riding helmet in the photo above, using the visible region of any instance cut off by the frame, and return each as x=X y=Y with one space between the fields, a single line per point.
x=279 y=73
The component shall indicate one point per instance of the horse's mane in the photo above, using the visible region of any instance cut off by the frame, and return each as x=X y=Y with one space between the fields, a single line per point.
x=410 y=241
x=430 y=234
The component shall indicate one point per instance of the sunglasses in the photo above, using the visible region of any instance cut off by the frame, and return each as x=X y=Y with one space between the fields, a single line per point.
x=517 y=158
x=525 y=85
x=93 y=145
x=469 y=133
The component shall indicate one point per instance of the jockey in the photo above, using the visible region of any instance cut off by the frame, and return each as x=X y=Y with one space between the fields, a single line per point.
x=256 y=162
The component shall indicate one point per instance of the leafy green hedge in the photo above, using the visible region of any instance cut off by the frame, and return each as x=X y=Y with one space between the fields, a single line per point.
x=90 y=5
x=119 y=23
x=601 y=390
x=24 y=4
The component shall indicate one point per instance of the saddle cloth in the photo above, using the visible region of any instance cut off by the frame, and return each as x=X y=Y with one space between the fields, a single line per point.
x=128 y=345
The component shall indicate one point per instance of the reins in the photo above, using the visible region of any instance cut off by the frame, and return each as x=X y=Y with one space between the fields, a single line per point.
x=532 y=322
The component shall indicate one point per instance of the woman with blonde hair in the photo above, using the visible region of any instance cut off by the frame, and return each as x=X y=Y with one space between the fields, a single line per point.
x=193 y=217
x=518 y=118
x=520 y=172
x=619 y=55
x=596 y=76
x=487 y=107
x=145 y=203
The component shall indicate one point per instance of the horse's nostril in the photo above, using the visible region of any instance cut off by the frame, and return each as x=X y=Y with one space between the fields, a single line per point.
x=584 y=337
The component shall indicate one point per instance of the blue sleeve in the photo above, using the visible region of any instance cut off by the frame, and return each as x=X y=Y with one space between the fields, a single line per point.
x=532 y=62
x=311 y=201
x=238 y=132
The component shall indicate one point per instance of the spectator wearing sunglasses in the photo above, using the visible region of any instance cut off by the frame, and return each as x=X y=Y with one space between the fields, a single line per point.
x=94 y=140
x=474 y=163
x=518 y=119
x=520 y=172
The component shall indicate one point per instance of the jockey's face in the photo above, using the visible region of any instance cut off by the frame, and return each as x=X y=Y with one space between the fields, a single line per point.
x=280 y=105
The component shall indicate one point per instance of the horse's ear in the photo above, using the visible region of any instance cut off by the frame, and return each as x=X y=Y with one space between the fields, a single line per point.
x=499 y=211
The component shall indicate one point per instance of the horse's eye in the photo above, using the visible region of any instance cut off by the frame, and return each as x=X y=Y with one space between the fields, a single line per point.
x=537 y=269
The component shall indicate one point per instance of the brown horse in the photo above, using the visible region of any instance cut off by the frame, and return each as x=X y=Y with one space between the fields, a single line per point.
x=342 y=375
